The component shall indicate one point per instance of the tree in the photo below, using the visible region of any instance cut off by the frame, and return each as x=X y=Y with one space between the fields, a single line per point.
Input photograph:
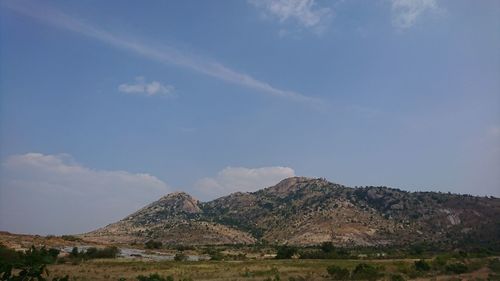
x=327 y=247
x=285 y=252
x=74 y=252
x=338 y=273
x=422 y=265
x=152 y=244
x=30 y=266
x=365 y=271
x=457 y=268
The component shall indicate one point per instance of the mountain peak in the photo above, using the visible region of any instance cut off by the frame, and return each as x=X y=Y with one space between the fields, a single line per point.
x=290 y=185
x=180 y=201
x=178 y=194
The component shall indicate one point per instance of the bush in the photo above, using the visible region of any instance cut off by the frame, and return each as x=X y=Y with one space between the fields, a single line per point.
x=439 y=262
x=154 y=277
x=494 y=265
x=397 y=277
x=296 y=278
x=422 y=265
x=180 y=257
x=152 y=244
x=9 y=256
x=31 y=265
x=365 y=271
x=457 y=268
x=214 y=254
x=285 y=252
x=325 y=253
x=105 y=253
x=71 y=238
x=338 y=273
x=327 y=247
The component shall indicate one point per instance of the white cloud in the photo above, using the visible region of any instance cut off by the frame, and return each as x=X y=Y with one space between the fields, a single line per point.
x=306 y=13
x=141 y=87
x=52 y=194
x=405 y=13
x=165 y=55
x=232 y=179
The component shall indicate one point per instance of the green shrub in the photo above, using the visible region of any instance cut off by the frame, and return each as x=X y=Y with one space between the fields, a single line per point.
x=214 y=254
x=105 y=253
x=364 y=271
x=457 y=268
x=71 y=238
x=180 y=257
x=9 y=256
x=74 y=252
x=422 y=265
x=439 y=262
x=285 y=252
x=296 y=278
x=397 y=277
x=276 y=278
x=152 y=244
x=494 y=265
x=327 y=247
x=338 y=273
x=154 y=277
x=31 y=265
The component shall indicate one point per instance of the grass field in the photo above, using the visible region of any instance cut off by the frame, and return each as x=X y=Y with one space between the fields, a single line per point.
x=114 y=269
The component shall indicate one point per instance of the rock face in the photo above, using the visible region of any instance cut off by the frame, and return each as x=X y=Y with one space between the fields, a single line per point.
x=305 y=211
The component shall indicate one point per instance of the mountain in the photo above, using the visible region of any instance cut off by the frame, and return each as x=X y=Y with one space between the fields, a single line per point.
x=306 y=211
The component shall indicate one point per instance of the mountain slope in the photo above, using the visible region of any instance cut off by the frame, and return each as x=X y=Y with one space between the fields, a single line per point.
x=304 y=211
x=175 y=218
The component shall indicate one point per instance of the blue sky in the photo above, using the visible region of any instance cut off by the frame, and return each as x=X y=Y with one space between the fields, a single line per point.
x=121 y=102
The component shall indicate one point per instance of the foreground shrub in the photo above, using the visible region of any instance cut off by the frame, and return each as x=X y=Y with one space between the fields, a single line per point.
x=338 y=273
x=31 y=265
x=364 y=271
x=494 y=265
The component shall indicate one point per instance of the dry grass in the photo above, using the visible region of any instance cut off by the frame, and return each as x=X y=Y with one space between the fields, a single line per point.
x=251 y=270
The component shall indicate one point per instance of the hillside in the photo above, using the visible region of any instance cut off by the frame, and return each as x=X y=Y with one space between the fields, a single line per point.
x=306 y=211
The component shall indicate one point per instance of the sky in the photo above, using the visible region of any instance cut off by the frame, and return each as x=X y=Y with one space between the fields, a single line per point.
x=105 y=106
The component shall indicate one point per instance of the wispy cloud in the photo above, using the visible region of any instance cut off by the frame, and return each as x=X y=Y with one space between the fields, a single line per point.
x=141 y=87
x=306 y=13
x=405 y=13
x=165 y=55
x=232 y=179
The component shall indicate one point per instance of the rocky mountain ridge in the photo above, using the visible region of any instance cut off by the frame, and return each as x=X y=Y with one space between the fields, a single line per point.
x=307 y=211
